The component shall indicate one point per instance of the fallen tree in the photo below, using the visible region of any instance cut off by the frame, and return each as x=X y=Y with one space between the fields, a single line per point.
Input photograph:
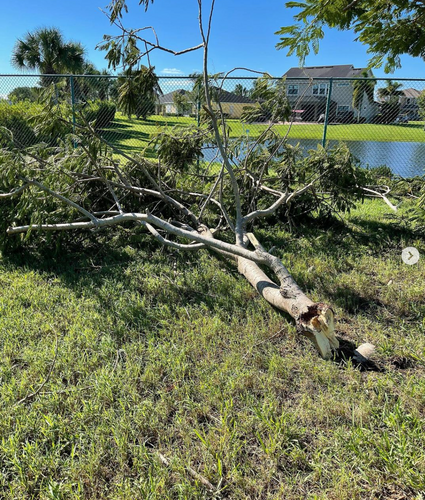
x=181 y=200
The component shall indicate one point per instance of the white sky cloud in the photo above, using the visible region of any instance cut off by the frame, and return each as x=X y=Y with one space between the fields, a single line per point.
x=172 y=71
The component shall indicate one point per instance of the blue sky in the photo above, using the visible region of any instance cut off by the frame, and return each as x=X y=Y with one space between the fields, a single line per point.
x=243 y=34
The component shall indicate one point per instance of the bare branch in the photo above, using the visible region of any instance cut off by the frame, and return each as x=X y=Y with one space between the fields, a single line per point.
x=153 y=220
x=377 y=194
x=173 y=244
x=268 y=211
x=64 y=199
x=208 y=108
x=14 y=192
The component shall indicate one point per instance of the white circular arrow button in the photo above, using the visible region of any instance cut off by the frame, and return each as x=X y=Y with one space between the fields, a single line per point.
x=410 y=255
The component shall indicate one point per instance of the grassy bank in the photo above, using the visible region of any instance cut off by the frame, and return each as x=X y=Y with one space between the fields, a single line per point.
x=132 y=134
x=144 y=352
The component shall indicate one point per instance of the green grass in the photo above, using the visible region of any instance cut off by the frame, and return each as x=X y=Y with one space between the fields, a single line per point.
x=133 y=135
x=171 y=353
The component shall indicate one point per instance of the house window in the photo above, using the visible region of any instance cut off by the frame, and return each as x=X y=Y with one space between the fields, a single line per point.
x=292 y=89
x=342 y=84
x=343 y=109
x=320 y=89
x=408 y=100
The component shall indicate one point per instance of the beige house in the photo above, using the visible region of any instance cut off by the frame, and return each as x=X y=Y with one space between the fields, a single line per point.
x=231 y=104
x=308 y=89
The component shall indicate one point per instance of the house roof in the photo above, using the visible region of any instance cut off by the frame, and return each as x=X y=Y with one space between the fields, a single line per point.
x=169 y=98
x=338 y=71
x=225 y=96
x=222 y=95
x=411 y=93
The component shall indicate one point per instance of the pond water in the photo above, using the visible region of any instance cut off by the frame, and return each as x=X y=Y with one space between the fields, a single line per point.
x=406 y=159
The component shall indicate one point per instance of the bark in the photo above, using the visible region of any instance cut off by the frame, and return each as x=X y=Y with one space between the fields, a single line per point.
x=315 y=320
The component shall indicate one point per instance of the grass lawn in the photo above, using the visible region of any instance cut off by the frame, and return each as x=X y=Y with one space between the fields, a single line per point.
x=109 y=360
x=132 y=135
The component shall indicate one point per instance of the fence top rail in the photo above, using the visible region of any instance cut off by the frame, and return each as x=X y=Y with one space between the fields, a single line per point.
x=182 y=77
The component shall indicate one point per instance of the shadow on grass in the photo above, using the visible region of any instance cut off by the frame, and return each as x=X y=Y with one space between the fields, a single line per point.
x=167 y=280
x=345 y=355
x=119 y=134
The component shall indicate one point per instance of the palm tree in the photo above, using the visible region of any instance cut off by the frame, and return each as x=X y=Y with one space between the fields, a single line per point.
x=391 y=92
x=360 y=88
x=240 y=90
x=390 y=100
x=46 y=51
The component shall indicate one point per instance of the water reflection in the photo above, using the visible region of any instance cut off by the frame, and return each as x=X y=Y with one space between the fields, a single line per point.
x=406 y=159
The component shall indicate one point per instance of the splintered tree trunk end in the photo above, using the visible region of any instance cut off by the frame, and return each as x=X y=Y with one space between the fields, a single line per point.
x=317 y=323
x=315 y=320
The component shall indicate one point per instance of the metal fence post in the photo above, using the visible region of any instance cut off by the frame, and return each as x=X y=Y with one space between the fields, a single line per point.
x=71 y=81
x=328 y=105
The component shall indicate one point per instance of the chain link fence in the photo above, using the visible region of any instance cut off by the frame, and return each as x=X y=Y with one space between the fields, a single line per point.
x=381 y=120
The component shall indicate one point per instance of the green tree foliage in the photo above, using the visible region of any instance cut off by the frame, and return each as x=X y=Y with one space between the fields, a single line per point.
x=138 y=91
x=16 y=124
x=240 y=90
x=29 y=94
x=46 y=51
x=182 y=103
x=273 y=104
x=180 y=148
x=389 y=28
x=362 y=87
x=101 y=113
x=390 y=101
x=88 y=88
x=421 y=104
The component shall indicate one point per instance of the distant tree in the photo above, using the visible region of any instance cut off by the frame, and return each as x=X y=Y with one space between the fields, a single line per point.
x=138 y=91
x=24 y=94
x=240 y=90
x=182 y=103
x=88 y=88
x=46 y=51
x=390 y=100
x=421 y=104
x=362 y=87
x=391 y=91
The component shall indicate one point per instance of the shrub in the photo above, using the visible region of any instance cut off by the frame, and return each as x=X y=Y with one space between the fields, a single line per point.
x=381 y=171
x=17 y=118
x=100 y=112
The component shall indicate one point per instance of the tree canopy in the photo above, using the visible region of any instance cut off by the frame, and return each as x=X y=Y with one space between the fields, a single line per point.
x=390 y=28
x=45 y=50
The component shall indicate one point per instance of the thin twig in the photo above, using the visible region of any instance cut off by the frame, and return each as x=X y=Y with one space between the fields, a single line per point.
x=191 y=471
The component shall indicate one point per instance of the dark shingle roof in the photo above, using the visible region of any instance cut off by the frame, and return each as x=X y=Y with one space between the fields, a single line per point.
x=338 y=71
x=169 y=98
x=224 y=96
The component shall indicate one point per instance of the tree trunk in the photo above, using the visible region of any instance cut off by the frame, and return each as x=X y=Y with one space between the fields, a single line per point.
x=315 y=320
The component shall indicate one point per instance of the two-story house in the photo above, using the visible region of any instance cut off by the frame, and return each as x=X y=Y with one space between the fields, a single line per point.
x=409 y=103
x=308 y=89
